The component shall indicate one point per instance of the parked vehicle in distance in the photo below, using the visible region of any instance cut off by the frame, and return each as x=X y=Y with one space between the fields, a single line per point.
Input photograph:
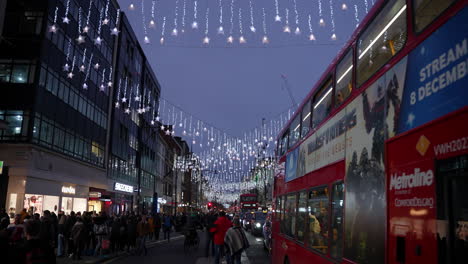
x=246 y=224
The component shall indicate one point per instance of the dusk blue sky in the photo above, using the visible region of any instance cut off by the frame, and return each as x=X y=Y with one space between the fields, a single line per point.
x=233 y=86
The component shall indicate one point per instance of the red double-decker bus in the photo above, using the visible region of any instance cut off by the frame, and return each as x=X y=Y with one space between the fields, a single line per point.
x=373 y=164
x=248 y=202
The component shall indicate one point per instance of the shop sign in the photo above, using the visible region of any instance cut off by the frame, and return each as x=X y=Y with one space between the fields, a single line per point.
x=162 y=201
x=123 y=187
x=1 y=166
x=68 y=189
x=94 y=194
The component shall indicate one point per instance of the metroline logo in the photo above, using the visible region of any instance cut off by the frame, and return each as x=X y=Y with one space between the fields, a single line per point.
x=417 y=179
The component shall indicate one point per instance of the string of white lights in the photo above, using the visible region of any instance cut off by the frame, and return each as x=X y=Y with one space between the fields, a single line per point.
x=106 y=13
x=102 y=87
x=152 y=23
x=175 y=31
x=265 y=39
x=53 y=27
x=311 y=35
x=286 y=28
x=65 y=18
x=115 y=30
x=366 y=4
x=195 y=13
x=356 y=15
x=220 y=28
x=298 y=30
x=163 y=31
x=332 y=17
x=230 y=39
x=184 y=13
x=146 y=38
x=98 y=39
x=242 y=40
x=321 y=20
x=206 y=39
x=277 y=17
x=252 y=27
x=85 y=86
x=83 y=67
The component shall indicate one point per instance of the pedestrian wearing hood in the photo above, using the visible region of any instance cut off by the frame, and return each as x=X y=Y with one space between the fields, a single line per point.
x=235 y=241
x=79 y=235
x=221 y=226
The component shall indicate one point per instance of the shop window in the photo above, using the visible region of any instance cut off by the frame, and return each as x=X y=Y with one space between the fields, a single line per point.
x=318 y=219
x=17 y=125
x=301 y=216
x=382 y=39
x=33 y=203
x=322 y=104
x=295 y=130
x=344 y=78
x=59 y=138
x=290 y=215
x=67 y=205
x=306 y=113
x=336 y=243
x=426 y=11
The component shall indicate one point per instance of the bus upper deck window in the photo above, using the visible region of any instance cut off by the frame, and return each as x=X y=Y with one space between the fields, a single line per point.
x=381 y=40
x=306 y=119
x=344 y=78
x=426 y=11
x=322 y=104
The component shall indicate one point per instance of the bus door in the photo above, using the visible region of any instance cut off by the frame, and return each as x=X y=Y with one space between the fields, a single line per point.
x=427 y=193
x=452 y=210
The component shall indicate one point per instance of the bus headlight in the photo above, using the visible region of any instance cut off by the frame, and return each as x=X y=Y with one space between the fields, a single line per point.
x=258 y=225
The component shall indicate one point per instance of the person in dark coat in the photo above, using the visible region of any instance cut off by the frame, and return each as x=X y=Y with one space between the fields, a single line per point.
x=71 y=220
x=157 y=226
x=115 y=234
x=36 y=252
x=79 y=235
x=132 y=232
x=47 y=232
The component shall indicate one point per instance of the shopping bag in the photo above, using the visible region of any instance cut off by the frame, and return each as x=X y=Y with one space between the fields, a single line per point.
x=105 y=243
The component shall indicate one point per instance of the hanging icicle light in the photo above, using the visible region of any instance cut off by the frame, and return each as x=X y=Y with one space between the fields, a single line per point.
x=131 y=7
x=286 y=28
x=344 y=6
x=333 y=37
x=146 y=40
x=96 y=66
x=53 y=27
x=65 y=19
x=206 y=40
x=195 y=12
x=322 y=22
x=230 y=39
x=277 y=17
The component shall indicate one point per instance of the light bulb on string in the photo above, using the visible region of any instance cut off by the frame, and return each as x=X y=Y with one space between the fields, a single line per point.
x=117 y=105
x=53 y=28
x=98 y=41
x=96 y=66
x=220 y=30
x=131 y=7
x=152 y=24
x=206 y=40
x=230 y=39
x=322 y=22
x=175 y=32
x=146 y=40
x=333 y=37
x=195 y=12
x=297 y=31
x=277 y=17
x=80 y=39
x=344 y=6
x=312 y=37
x=85 y=86
x=242 y=40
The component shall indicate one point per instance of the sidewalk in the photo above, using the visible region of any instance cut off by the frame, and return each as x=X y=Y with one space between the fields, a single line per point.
x=109 y=257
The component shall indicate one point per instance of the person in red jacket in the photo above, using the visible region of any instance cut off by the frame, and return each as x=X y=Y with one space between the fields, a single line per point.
x=221 y=226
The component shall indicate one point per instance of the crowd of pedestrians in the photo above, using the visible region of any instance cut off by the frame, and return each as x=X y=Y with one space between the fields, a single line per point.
x=32 y=238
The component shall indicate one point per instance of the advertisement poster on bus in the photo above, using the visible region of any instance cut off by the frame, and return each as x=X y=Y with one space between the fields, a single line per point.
x=291 y=165
x=327 y=145
x=376 y=114
x=437 y=73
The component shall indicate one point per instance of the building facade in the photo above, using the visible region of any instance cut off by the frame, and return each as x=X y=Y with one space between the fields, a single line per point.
x=68 y=142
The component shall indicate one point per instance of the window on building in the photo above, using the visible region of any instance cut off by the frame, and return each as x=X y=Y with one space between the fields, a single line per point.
x=336 y=238
x=306 y=113
x=426 y=11
x=301 y=216
x=5 y=71
x=17 y=125
x=344 y=78
x=290 y=215
x=18 y=71
x=322 y=103
x=318 y=219
x=382 y=39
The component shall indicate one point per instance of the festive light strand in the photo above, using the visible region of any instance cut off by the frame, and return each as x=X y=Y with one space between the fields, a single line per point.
x=366 y=4
x=88 y=16
x=265 y=39
x=321 y=20
x=98 y=39
x=356 y=15
x=65 y=18
x=115 y=30
x=252 y=27
x=230 y=39
x=286 y=28
x=277 y=17
x=163 y=30
x=332 y=17
x=175 y=31
x=242 y=40
x=206 y=39
x=184 y=13
x=146 y=38
x=102 y=87
x=311 y=35
x=106 y=14
x=53 y=27
x=298 y=30
x=152 y=23
x=195 y=14
x=83 y=67
x=85 y=86
x=66 y=67
x=220 y=28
